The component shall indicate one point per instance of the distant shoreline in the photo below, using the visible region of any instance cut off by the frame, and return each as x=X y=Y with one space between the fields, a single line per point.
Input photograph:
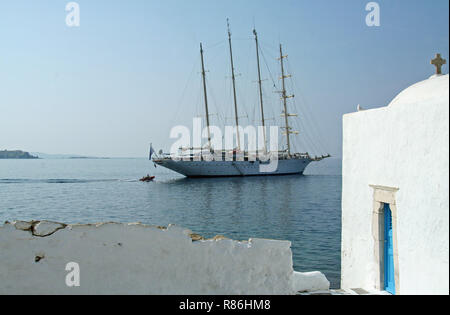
x=23 y=155
x=17 y=154
x=46 y=156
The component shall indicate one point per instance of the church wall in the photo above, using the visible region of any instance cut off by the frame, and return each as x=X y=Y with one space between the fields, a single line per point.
x=404 y=146
x=138 y=259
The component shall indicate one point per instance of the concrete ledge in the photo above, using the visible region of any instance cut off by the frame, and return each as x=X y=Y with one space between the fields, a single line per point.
x=310 y=282
x=134 y=258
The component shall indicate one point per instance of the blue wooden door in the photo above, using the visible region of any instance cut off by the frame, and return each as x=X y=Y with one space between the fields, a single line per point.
x=389 y=273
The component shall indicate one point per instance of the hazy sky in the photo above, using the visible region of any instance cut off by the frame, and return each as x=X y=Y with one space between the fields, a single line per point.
x=131 y=72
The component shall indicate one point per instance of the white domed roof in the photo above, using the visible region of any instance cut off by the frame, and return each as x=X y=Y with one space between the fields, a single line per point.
x=433 y=90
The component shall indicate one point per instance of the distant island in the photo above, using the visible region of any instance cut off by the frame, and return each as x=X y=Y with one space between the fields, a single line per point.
x=16 y=155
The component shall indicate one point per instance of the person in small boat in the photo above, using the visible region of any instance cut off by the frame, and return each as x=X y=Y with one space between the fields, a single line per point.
x=147 y=178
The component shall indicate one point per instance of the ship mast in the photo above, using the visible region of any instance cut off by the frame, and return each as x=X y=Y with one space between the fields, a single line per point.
x=234 y=89
x=284 y=97
x=206 y=96
x=260 y=90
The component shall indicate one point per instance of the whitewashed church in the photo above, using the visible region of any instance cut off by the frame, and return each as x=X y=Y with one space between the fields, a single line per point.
x=395 y=202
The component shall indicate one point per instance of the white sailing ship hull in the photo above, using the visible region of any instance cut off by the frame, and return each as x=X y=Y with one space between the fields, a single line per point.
x=232 y=168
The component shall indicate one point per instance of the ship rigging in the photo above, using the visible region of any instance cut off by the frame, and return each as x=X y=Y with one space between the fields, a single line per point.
x=242 y=163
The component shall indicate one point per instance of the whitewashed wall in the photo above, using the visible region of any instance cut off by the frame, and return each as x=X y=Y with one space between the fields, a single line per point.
x=137 y=259
x=404 y=145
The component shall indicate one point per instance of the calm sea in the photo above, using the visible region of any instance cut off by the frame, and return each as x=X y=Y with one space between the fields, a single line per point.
x=302 y=209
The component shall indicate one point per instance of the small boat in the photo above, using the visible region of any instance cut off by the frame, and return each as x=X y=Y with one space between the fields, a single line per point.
x=147 y=178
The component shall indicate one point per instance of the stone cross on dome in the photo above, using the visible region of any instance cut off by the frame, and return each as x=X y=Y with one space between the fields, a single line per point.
x=438 y=62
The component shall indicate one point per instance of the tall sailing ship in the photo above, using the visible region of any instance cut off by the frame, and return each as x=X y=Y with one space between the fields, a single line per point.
x=239 y=161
